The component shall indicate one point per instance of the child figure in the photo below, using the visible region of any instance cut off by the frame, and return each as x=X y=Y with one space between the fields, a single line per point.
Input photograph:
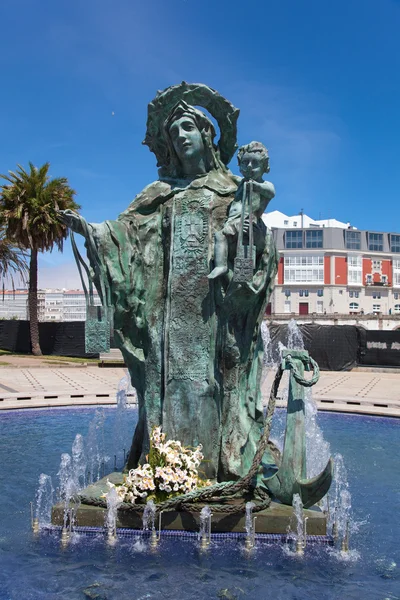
x=253 y=162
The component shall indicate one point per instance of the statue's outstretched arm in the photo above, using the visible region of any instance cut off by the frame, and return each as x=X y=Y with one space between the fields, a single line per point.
x=73 y=220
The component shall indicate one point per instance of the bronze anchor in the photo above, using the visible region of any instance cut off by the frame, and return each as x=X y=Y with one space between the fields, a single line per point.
x=291 y=477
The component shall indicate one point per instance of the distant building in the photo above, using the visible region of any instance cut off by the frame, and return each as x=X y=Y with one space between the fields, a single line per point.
x=279 y=220
x=53 y=305
x=331 y=270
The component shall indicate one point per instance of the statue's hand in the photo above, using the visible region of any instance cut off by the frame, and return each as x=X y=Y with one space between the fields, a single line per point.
x=72 y=219
x=258 y=234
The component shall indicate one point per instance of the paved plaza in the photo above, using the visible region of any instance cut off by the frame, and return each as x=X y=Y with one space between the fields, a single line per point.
x=31 y=383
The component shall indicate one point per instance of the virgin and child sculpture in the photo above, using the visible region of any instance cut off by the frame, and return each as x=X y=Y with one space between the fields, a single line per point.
x=192 y=343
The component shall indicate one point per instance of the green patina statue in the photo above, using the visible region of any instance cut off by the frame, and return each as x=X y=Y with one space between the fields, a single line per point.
x=192 y=343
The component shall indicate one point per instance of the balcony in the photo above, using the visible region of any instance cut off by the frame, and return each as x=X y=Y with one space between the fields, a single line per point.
x=377 y=284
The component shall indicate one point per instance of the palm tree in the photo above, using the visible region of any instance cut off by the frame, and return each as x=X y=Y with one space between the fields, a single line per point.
x=12 y=259
x=29 y=202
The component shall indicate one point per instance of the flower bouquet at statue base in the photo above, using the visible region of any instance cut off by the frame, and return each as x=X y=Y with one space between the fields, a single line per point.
x=171 y=470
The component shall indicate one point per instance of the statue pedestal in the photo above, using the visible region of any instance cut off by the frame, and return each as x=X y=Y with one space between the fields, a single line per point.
x=278 y=518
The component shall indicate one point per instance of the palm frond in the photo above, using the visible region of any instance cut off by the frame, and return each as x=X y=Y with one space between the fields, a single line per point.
x=29 y=202
x=13 y=260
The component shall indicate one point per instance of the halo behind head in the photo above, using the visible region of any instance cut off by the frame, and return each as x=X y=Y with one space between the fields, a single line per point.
x=193 y=94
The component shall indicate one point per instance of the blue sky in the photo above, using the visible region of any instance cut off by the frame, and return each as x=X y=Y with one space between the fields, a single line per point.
x=318 y=82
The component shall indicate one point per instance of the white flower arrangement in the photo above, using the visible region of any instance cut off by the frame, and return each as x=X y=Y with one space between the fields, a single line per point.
x=171 y=470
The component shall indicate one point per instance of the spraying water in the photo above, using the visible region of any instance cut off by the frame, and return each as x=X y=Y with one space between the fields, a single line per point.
x=249 y=518
x=95 y=447
x=65 y=476
x=340 y=498
x=268 y=360
x=67 y=480
x=317 y=448
x=44 y=500
x=295 y=337
x=113 y=502
x=299 y=518
x=205 y=517
x=149 y=515
x=79 y=463
x=122 y=427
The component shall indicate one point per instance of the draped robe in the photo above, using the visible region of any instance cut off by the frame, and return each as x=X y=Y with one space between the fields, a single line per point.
x=192 y=346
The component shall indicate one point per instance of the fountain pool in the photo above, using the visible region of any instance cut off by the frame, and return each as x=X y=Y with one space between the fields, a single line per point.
x=31 y=443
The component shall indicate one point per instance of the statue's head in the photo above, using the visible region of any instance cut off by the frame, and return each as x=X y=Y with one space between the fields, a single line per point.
x=190 y=139
x=253 y=160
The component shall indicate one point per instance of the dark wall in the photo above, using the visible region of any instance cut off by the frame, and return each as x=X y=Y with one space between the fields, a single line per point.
x=342 y=347
x=334 y=347
x=61 y=339
x=381 y=348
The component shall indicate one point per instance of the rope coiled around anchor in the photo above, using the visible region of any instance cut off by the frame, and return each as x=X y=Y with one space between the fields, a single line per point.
x=301 y=380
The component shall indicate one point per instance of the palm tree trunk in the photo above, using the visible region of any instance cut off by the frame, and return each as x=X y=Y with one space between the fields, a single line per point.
x=33 y=304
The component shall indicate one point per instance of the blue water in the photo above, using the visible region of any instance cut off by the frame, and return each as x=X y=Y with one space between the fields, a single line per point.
x=38 y=569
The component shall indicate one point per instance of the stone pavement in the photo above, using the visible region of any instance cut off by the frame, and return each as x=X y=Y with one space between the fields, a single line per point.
x=43 y=385
x=31 y=384
x=366 y=392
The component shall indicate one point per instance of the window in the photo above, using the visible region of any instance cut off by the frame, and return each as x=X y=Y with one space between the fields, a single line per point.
x=394 y=243
x=320 y=306
x=287 y=307
x=354 y=261
x=304 y=260
x=376 y=308
x=314 y=239
x=286 y=222
x=353 y=306
x=320 y=293
x=396 y=273
x=384 y=279
x=294 y=223
x=303 y=293
x=376 y=295
x=397 y=308
x=304 y=269
x=353 y=239
x=396 y=295
x=368 y=279
x=354 y=277
x=294 y=239
x=376 y=265
x=375 y=242
x=354 y=269
x=287 y=293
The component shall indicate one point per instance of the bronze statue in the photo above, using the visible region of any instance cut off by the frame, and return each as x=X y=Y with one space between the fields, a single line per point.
x=192 y=344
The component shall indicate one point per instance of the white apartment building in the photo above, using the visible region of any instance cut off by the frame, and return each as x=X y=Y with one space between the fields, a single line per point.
x=53 y=305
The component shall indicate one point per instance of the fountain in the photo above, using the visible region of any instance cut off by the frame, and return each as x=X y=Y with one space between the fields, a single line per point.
x=184 y=284
x=192 y=339
x=87 y=562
